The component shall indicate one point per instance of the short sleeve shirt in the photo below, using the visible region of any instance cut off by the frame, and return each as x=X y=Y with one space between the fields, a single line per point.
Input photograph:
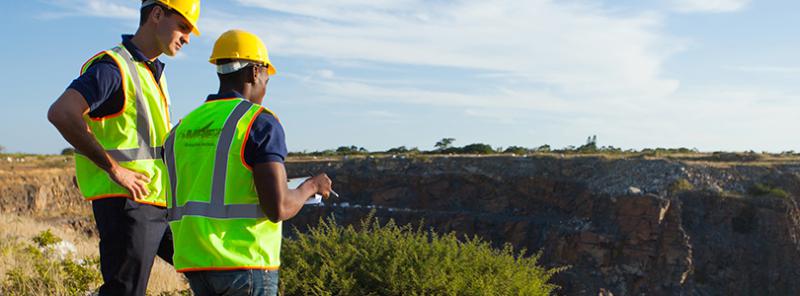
x=266 y=141
x=101 y=84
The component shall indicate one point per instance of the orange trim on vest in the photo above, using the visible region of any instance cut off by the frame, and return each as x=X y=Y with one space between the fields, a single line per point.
x=161 y=91
x=89 y=61
x=247 y=135
x=124 y=92
x=128 y=196
x=228 y=268
x=225 y=99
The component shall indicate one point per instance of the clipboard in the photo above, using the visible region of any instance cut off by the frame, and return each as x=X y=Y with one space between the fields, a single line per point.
x=313 y=200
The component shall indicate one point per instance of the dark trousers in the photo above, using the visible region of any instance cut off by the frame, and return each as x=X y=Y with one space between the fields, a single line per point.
x=131 y=235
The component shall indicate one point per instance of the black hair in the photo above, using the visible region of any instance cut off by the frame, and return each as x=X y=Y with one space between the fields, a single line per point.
x=236 y=77
x=144 y=13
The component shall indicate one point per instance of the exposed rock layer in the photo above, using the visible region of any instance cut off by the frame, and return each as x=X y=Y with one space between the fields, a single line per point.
x=627 y=227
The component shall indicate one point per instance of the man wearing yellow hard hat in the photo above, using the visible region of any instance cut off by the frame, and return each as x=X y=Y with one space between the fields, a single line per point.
x=116 y=115
x=228 y=189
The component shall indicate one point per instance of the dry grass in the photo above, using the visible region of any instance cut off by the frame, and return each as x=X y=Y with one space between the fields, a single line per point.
x=16 y=228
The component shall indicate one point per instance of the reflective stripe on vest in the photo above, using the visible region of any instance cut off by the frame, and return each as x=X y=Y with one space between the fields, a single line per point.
x=217 y=207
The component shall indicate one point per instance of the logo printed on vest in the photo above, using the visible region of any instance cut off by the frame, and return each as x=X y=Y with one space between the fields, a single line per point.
x=202 y=137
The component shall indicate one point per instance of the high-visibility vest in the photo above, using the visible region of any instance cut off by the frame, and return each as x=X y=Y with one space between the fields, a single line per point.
x=213 y=207
x=134 y=136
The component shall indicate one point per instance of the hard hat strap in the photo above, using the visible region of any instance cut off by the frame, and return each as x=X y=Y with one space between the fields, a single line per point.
x=232 y=67
x=148 y=3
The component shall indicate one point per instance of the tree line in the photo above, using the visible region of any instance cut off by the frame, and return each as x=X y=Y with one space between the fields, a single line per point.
x=445 y=146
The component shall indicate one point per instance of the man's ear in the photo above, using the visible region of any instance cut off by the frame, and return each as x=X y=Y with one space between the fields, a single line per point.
x=156 y=14
x=252 y=74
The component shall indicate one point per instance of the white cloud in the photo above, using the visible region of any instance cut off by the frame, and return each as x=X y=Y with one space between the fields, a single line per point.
x=572 y=50
x=767 y=69
x=325 y=73
x=709 y=5
x=115 y=9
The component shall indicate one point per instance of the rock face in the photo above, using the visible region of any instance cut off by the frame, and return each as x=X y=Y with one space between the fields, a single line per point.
x=625 y=226
x=39 y=190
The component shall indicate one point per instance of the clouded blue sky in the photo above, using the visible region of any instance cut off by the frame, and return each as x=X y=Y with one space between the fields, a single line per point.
x=708 y=74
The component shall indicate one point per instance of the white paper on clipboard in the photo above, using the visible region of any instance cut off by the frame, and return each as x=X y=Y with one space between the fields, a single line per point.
x=313 y=200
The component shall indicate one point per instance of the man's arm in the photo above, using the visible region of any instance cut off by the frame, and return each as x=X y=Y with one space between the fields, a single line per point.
x=277 y=200
x=66 y=114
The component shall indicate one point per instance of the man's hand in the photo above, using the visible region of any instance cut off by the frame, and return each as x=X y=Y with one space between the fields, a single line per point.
x=277 y=200
x=322 y=184
x=134 y=182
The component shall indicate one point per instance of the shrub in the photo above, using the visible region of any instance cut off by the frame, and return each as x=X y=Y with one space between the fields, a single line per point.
x=403 y=149
x=399 y=260
x=759 y=189
x=477 y=148
x=68 y=151
x=516 y=150
x=46 y=238
x=344 y=150
x=681 y=185
x=37 y=274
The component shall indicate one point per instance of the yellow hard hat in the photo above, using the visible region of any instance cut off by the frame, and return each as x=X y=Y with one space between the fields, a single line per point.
x=189 y=9
x=241 y=45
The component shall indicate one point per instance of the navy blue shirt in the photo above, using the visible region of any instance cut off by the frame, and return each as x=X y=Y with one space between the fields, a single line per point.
x=266 y=141
x=101 y=84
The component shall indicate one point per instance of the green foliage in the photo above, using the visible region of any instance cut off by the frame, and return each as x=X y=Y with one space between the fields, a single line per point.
x=46 y=238
x=516 y=150
x=734 y=156
x=477 y=148
x=445 y=146
x=38 y=274
x=666 y=151
x=444 y=143
x=402 y=149
x=681 y=185
x=399 y=260
x=68 y=151
x=760 y=189
x=543 y=148
x=344 y=150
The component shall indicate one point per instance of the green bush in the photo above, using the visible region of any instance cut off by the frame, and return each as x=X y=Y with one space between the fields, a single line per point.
x=759 y=189
x=681 y=185
x=399 y=260
x=37 y=274
x=517 y=150
x=46 y=238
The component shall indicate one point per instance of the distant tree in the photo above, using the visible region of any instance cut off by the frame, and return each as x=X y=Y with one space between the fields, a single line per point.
x=516 y=150
x=401 y=149
x=543 y=148
x=590 y=146
x=2 y=149
x=351 y=150
x=68 y=151
x=326 y=152
x=444 y=143
x=477 y=148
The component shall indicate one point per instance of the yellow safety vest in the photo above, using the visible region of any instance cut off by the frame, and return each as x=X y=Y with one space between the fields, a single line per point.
x=214 y=212
x=134 y=136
